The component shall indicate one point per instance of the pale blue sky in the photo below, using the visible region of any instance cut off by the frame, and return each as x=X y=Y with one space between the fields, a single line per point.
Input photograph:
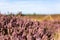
x=30 y=6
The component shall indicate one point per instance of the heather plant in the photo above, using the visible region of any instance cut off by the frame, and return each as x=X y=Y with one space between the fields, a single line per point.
x=21 y=28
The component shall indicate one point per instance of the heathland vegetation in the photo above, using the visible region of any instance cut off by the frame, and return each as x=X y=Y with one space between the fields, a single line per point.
x=29 y=27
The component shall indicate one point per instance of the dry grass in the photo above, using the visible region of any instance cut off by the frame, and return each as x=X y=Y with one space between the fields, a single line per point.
x=57 y=35
x=41 y=18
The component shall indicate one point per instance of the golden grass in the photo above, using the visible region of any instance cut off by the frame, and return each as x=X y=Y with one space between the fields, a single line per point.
x=57 y=35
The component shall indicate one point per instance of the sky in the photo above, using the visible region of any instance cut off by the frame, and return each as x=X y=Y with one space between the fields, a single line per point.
x=30 y=6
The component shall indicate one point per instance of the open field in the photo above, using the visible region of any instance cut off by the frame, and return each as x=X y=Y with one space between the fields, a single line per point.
x=44 y=17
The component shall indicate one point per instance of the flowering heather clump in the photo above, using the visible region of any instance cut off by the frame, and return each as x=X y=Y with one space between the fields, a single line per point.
x=21 y=28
